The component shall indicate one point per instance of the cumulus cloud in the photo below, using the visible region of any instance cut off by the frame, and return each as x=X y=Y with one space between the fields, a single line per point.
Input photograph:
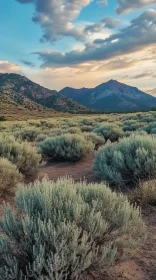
x=7 y=67
x=107 y=22
x=110 y=22
x=140 y=34
x=124 y=6
x=55 y=17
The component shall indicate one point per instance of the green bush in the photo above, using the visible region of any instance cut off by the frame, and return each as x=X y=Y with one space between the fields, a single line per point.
x=94 y=138
x=9 y=175
x=74 y=130
x=41 y=137
x=65 y=147
x=150 y=128
x=64 y=229
x=22 y=154
x=127 y=162
x=86 y=128
x=29 y=134
x=110 y=132
x=131 y=125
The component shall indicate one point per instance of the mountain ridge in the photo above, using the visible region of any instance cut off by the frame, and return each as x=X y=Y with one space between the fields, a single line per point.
x=22 y=90
x=111 y=96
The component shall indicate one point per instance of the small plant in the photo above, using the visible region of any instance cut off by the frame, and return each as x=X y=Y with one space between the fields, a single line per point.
x=109 y=132
x=65 y=147
x=60 y=230
x=127 y=162
x=144 y=194
x=9 y=175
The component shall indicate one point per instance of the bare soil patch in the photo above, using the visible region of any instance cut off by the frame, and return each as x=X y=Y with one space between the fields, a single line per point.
x=81 y=170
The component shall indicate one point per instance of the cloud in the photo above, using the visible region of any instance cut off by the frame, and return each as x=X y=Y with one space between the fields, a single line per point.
x=107 y=22
x=55 y=17
x=146 y=74
x=102 y=2
x=152 y=91
x=124 y=6
x=110 y=22
x=27 y=63
x=140 y=34
x=7 y=67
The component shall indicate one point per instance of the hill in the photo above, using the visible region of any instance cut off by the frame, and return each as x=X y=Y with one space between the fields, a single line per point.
x=22 y=91
x=111 y=96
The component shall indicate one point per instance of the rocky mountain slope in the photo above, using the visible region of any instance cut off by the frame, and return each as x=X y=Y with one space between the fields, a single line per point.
x=19 y=89
x=111 y=96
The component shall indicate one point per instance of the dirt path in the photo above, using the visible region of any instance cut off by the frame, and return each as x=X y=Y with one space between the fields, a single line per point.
x=79 y=171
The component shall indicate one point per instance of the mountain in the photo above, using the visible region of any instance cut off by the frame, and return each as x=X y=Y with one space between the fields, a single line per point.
x=111 y=96
x=19 y=89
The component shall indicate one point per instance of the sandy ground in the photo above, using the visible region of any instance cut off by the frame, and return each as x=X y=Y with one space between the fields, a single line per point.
x=143 y=265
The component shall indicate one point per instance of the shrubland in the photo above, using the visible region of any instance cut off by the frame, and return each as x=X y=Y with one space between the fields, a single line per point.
x=61 y=230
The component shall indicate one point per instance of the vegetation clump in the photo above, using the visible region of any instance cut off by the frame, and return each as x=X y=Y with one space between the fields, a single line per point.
x=9 y=175
x=22 y=154
x=64 y=229
x=66 y=147
x=109 y=131
x=127 y=162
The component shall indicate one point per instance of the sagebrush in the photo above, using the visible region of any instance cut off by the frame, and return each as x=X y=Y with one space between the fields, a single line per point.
x=61 y=229
x=127 y=162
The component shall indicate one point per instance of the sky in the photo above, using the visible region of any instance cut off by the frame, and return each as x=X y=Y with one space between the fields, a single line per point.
x=80 y=43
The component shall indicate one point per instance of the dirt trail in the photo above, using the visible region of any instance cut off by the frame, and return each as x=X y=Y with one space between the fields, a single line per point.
x=79 y=170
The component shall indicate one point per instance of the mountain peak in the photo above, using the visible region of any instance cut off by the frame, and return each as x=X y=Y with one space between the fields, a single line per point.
x=112 y=96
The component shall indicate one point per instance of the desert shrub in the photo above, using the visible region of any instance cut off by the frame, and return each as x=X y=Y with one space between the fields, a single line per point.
x=144 y=194
x=9 y=175
x=48 y=124
x=94 y=138
x=64 y=229
x=86 y=128
x=41 y=137
x=138 y=132
x=86 y=122
x=22 y=154
x=109 y=131
x=131 y=125
x=29 y=134
x=150 y=128
x=127 y=162
x=66 y=147
x=73 y=130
